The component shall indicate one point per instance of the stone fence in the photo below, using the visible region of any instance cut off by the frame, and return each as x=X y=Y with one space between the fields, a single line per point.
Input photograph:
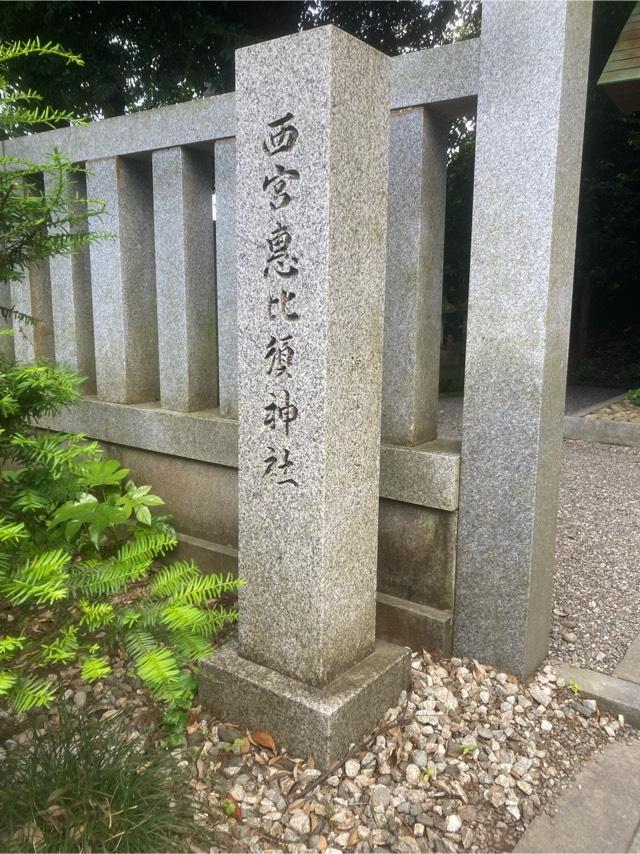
x=150 y=317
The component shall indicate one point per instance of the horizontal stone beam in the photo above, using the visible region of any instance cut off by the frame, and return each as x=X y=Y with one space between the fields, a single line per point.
x=190 y=123
x=445 y=77
x=426 y=474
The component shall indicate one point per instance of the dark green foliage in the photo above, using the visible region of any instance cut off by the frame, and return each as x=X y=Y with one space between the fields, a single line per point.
x=142 y=55
x=78 y=545
x=86 y=787
x=634 y=396
x=606 y=304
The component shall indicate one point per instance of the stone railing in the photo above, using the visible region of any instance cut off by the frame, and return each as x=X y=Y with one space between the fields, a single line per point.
x=150 y=317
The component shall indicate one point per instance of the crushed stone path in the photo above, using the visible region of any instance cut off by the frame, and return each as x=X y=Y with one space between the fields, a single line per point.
x=597 y=564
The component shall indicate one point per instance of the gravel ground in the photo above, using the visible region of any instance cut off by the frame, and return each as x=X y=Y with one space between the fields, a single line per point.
x=597 y=560
x=597 y=565
x=464 y=762
x=623 y=410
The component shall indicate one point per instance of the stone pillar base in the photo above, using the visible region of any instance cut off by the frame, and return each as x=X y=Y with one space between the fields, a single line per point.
x=318 y=722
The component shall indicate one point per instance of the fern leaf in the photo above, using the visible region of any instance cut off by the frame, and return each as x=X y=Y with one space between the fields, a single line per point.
x=11 y=644
x=7 y=681
x=94 y=667
x=63 y=648
x=31 y=693
x=158 y=668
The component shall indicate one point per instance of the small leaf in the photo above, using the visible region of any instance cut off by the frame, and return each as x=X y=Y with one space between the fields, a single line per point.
x=231 y=807
x=263 y=739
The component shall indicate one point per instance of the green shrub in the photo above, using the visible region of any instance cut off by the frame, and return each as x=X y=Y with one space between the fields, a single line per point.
x=86 y=787
x=634 y=396
x=78 y=546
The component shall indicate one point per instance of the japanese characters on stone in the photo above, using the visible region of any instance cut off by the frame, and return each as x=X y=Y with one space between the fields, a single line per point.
x=281 y=270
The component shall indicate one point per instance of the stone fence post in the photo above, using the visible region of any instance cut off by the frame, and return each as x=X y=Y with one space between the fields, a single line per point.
x=531 y=102
x=312 y=167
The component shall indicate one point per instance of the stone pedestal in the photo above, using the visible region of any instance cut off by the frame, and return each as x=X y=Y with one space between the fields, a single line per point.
x=312 y=168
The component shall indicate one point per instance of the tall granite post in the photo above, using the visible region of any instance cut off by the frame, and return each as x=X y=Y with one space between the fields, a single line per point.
x=531 y=99
x=312 y=148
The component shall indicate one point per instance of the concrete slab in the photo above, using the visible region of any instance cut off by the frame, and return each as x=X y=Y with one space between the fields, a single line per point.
x=607 y=432
x=629 y=667
x=600 y=811
x=615 y=695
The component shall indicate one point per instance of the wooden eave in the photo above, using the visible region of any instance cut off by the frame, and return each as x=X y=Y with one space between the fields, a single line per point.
x=621 y=75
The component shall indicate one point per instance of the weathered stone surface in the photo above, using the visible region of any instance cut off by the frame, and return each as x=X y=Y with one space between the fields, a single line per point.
x=198 y=121
x=227 y=276
x=426 y=475
x=413 y=624
x=417 y=553
x=185 y=278
x=71 y=304
x=123 y=282
x=32 y=296
x=445 y=77
x=527 y=170
x=197 y=436
x=413 y=290
x=306 y=720
x=311 y=279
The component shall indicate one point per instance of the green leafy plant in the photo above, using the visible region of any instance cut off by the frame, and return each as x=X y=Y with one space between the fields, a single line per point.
x=633 y=396
x=87 y=786
x=468 y=747
x=79 y=547
x=573 y=687
x=228 y=806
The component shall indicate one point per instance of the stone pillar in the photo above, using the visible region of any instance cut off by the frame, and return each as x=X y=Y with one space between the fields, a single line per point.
x=531 y=100
x=226 y=276
x=6 y=324
x=185 y=278
x=71 y=292
x=313 y=124
x=123 y=281
x=32 y=296
x=415 y=251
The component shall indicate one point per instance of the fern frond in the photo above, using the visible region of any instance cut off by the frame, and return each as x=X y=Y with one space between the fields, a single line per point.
x=169 y=578
x=7 y=680
x=95 y=615
x=63 y=648
x=184 y=582
x=11 y=644
x=216 y=618
x=11 y=532
x=191 y=647
x=94 y=667
x=31 y=693
x=138 y=642
x=183 y=616
x=42 y=578
x=158 y=668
